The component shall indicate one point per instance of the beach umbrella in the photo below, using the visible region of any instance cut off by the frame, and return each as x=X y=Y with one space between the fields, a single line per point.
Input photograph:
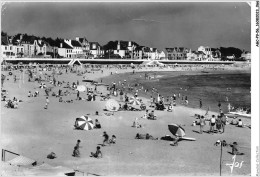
x=134 y=101
x=112 y=105
x=42 y=85
x=84 y=123
x=81 y=88
x=176 y=130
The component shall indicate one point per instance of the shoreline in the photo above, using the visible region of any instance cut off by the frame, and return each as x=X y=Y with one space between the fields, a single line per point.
x=124 y=75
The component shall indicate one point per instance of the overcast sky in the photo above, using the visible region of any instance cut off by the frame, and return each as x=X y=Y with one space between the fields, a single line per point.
x=154 y=24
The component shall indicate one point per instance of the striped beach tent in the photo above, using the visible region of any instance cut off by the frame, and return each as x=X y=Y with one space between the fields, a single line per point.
x=84 y=123
x=21 y=160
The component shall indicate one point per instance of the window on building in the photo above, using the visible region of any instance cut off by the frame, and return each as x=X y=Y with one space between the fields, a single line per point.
x=5 y=48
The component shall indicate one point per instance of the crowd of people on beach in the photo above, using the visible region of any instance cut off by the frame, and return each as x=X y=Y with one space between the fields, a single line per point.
x=121 y=90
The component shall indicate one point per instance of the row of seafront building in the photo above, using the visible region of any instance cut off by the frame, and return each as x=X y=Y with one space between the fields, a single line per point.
x=32 y=47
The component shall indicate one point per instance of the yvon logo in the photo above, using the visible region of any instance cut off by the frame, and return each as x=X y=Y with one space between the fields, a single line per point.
x=234 y=164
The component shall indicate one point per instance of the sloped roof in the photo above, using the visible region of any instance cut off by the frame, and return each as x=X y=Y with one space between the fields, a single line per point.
x=28 y=39
x=139 y=47
x=81 y=40
x=41 y=43
x=75 y=43
x=177 y=49
x=112 y=45
x=65 y=45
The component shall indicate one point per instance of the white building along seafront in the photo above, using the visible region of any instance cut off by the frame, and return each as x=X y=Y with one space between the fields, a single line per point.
x=33 y=47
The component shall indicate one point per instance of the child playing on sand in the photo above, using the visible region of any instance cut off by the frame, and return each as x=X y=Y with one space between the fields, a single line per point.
x=29 y=94
x=97 y=154
x=76 y=152
x=97 y=124
x=151 y=115
x=106 y=138
x=235 y=149
x=136 y=123
x=145 y=116
x=113 y=140
x=170 y=107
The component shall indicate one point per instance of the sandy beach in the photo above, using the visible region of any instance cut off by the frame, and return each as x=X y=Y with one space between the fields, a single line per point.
x=34 y=132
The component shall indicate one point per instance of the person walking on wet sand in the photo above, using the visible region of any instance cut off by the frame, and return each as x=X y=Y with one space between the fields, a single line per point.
x=200 y=104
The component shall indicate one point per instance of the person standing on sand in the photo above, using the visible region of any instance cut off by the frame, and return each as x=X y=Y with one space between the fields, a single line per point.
x=15 y=78
x=47 y=103
x=219 y=105
x=229 y=107
x=212 y=123
x=186 y=101
x=2 y=80
x=218 y=124
x=78 y=95
x=77 y=144
x=202 y=123
x=223 y=122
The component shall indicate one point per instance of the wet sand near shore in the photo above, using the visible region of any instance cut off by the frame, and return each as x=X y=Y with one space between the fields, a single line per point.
x=35 y=132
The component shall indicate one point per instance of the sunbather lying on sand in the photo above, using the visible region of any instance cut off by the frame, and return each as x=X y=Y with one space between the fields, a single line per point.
x=145 y=136
x=68 y=101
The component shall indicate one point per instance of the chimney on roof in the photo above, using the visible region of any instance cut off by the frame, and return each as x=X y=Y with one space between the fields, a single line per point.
x=77 y=38
x=118 y=45
x=60 y=45
x=129 y=44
